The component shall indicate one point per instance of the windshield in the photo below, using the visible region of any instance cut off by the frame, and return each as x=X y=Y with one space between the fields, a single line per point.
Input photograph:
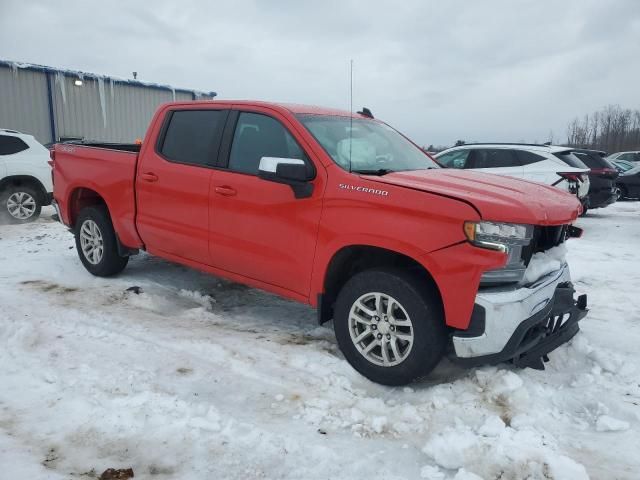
x=622 y=165
x=369 y=146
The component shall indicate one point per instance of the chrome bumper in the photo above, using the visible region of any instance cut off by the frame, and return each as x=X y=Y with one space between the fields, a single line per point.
x=504 y=311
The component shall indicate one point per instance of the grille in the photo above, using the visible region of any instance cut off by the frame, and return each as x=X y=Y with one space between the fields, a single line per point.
x=543 y=239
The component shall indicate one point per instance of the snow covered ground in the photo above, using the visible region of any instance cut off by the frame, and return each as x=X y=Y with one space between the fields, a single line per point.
x=200 y=378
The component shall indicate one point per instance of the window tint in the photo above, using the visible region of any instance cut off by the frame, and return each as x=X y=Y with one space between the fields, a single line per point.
x=258 y=136
x=494 y=158
x=587 y=159
x=625 y=156
x=457 y=159
x=10 y=145
x=570 y=159
x=527 y=158
x=193 y=136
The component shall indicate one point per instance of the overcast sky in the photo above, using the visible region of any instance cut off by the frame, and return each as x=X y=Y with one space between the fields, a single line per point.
x=438 y=71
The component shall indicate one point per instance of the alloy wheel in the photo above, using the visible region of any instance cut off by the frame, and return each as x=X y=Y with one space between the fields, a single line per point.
x=21 y=205
x=91 y=242
x=381 y=329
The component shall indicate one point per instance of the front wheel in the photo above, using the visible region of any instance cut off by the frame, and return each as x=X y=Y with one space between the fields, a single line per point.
x=96 y=243
x=390 y=326
x=20 y=204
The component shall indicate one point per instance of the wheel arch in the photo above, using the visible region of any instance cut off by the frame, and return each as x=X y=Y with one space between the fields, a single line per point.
x=352 y=259
x=82 y=197
x=26 y=180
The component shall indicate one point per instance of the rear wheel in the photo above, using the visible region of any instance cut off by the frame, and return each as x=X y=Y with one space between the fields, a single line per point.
x=621 y=192
x=389 y=326
x=96 y=243
x=20 y=204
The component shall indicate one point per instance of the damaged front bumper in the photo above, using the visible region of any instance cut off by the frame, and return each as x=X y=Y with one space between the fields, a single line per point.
x=521 y=324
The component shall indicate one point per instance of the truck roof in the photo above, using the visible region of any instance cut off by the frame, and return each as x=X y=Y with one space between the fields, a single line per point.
x=294 y=108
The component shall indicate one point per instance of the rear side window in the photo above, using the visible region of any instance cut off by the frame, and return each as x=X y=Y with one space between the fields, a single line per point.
x=570 y=159
x=10 y=145
x=527 y=158
x=258 y=136
x=193 y=136
x=592 y=160
x=457 y=159
x=494 y=158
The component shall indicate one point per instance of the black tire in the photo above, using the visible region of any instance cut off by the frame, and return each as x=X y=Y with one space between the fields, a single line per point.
x=9 y=193
x=423 y=307
x=623 y=195
x=110 y=261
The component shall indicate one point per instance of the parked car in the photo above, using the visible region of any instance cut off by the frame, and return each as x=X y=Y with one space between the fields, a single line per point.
x=602 y=177
x=552 y=165
x=339 y=211
x=628 y=156
x=25 y=177
x=628 y=183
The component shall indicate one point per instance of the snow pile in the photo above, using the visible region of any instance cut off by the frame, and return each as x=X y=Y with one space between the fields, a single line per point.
x=501 y=453
x=542 y=263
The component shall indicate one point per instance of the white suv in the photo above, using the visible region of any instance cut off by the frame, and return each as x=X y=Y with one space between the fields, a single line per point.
x=548 y=164
x=25 y=177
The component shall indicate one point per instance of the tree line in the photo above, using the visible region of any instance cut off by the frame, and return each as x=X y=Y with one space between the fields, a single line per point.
x=612 y=129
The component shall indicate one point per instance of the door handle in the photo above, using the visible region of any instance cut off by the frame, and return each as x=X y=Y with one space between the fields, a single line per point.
x=149 y=177
x=226 y=191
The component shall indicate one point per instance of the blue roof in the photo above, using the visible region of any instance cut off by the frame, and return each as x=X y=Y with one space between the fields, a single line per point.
x=116 y=80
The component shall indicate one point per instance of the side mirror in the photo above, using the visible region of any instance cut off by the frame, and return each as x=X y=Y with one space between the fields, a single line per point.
x=290 y=171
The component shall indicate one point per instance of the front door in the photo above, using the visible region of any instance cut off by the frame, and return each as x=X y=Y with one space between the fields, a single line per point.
x=258 y=229
x=172 y=183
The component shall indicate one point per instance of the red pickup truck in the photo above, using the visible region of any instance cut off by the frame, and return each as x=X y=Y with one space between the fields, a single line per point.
x=339 y=211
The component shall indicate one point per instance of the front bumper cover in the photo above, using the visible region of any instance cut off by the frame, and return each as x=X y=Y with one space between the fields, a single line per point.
x=521 y=325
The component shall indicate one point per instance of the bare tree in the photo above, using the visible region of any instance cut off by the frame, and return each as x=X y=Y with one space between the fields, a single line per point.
x=612 y=129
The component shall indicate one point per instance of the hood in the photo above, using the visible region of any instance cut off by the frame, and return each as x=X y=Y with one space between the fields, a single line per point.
x=497 y=198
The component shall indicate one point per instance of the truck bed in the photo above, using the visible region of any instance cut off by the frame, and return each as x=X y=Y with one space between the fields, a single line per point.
x=109 y=170
x=124 y=147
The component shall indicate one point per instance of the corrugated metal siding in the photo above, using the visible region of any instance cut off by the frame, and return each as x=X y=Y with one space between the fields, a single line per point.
x=24 y=105
x=127 y=109
x=79 y=111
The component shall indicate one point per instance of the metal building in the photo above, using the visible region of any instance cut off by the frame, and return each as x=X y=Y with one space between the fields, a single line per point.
x=53 y=104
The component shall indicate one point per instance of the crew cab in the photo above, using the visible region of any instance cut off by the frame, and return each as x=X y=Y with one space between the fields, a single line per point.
x=339 y=211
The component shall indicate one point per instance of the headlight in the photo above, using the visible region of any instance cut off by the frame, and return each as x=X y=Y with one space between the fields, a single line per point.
x=497 y=236
x=509 y=238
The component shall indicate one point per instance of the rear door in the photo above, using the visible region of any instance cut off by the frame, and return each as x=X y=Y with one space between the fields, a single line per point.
x=258 y=228
x=537 y=167
x=501 y=161
x=172 y=183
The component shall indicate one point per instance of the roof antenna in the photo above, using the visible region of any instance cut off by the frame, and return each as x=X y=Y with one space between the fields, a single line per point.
x=350 y=114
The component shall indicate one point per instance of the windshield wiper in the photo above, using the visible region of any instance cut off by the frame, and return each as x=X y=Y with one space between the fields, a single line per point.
x=379 y=172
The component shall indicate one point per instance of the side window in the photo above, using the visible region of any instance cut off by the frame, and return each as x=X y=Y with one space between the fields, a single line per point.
x=527 y=158
x=626 y=156
x=457 y=159
x=10 y=145
x=193 y=136
x=258 y=136
x=494 y=158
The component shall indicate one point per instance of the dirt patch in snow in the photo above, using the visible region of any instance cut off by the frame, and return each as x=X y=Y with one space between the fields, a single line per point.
x=45 y=286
